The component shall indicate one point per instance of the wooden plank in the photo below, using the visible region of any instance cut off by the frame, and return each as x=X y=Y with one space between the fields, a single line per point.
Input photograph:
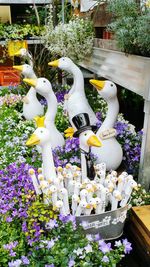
x=142 y=214
x=106 y=44
x=140 y=234
x=129 y=71
x=139 y=242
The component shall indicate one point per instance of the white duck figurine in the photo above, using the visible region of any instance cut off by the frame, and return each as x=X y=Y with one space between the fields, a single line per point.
x=91 y=204
x=75 y=201
x=31 y=105
x=63 y=195
x=98 y=209
x=87 y=138
x=59 y=205
x=24 y=53
x=53 y=192
x=111 y=151
x=42 y=137
x=115 y=198
x=76 y=101
x=44 y=88
x=81 y=208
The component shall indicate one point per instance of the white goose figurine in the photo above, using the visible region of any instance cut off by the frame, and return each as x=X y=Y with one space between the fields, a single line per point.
x=24 y=53
x=44 y=88
x=31 y=105
x=87 y=138
x=76 y=101
x=75 y=201
x=111 y=151
x=42 y=137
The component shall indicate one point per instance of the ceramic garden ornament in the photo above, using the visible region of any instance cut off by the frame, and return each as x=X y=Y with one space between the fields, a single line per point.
x=87 y=138
x=111 y=151
x=24 y=53
x=31 y=105
x=44 y=88
x=41 y=137
x=75 y=101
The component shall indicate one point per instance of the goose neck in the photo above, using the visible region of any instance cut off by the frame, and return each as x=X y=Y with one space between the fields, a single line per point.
x=51 y=107
x=32 y=93
x=112 y=113
x=78 y=83
x=48 y=162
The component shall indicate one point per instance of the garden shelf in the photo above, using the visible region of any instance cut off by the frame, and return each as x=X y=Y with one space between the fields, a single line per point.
x=131 y=72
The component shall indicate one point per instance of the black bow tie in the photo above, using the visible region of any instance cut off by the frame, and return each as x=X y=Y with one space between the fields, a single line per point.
x=89 y=165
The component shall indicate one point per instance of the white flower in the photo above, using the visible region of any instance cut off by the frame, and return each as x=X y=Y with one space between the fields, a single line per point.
x=88 y=248
x=118 y=243
x=78 y=251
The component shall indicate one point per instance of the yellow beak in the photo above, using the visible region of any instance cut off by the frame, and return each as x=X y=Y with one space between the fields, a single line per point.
x=18 y=53
x=88 y=206
x=33 y=140
x=54 y=63
x=30 y=82
x=94 y=206
x=18 y=67
x=98 y=84
x=94 y=141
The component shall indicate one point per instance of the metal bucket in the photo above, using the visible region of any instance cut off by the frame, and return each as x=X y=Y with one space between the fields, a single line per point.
x=108 y=224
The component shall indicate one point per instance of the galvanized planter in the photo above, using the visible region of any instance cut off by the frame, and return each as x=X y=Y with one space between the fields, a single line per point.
x=109 y=224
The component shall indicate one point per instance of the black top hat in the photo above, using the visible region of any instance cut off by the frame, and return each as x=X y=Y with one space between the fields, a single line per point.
x=82 y=123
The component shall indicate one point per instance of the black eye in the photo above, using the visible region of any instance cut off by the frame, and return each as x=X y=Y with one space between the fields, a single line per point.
x=85 y=134
x=63 y=59
x=41 y=131
x=44 y=81
x=111 y=84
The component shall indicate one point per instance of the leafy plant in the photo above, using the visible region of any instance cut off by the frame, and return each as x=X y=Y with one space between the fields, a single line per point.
x=70 y=38
x=130 y=26
x=19 y=32
x=140 y=197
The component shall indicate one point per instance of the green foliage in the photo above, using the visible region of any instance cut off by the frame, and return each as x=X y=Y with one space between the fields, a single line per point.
x=95 y=100
x=42 y=12
x=140 y=197
x=143 y=36
x=11 y=232
x=19 y=32
x=121 y=8
x=61 y=121
x=14 y=132
x=69 y=38
x=130 y=26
